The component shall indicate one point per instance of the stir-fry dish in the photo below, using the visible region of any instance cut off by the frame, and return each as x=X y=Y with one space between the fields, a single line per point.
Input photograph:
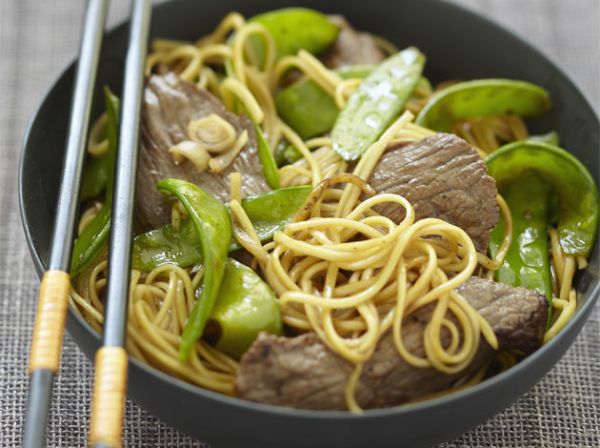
x=318 y=227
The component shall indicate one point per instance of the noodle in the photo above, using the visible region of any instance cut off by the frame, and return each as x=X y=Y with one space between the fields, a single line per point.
x=160 y=303
x=97 y=140
x=312 y=68
x=88 y=215
x=344 y=89
x=231 y=88
x=245 y=234
x=565 y=304
x=304 y=271
x=489 y=133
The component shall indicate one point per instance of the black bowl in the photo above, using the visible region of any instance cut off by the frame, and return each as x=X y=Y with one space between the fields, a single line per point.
x=458 y=44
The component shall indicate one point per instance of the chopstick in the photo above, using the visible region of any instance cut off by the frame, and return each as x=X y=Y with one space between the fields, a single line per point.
x=110 y=380
x=55 y=286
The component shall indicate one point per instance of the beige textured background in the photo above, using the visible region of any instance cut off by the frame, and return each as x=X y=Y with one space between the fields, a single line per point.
x=37 y=38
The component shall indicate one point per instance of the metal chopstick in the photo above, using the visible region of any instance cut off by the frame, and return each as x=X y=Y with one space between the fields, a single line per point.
x=110 y=381
x=51 y=312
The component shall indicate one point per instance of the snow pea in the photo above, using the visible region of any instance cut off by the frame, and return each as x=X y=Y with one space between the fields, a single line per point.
x=166 y=245
x=294 y=29
x=90 y=244
x=376 y=103
x=571 y=181
x=527 y=262
x=308 y=109
x=94 y=177
x=480 y=98
x=271 y=211
x=245 y=307
x=268 y=212
x=213 y=227
x=267 y=160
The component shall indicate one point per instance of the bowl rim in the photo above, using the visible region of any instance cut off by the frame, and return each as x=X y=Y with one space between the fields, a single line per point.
x=582 y=312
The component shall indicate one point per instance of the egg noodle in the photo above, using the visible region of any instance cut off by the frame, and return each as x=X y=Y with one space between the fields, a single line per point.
x=339 y=269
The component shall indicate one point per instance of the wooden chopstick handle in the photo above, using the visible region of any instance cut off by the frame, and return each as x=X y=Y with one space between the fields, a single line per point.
x=108 y=399
x=50 y=319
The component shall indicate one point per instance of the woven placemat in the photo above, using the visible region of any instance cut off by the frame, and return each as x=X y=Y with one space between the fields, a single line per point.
x=38 y=38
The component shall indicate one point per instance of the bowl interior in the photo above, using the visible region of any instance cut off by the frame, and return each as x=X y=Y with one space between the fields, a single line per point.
x=458 y=45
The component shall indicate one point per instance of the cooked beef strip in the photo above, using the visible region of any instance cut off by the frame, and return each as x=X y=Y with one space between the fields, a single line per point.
x=170 y=103
x=351 y=47
x=302 y=372
x=442 y=176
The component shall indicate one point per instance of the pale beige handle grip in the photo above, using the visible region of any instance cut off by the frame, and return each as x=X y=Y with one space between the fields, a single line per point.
x=108 y=399
x=46 y=343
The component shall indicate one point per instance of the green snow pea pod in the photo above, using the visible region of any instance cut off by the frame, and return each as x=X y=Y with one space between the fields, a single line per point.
x=89 y=245
x=376 y=103
x=267 y=160
x=95 y=174
x=271 y=211
x=308 y=109
x=98 y=171
x=237 y=106
x=166 y=245
x=245 y=307
x=571 y=181
x=294 y=29
x=482 y=98
x=268 y=212
x=213 y=226
x=527 y=262
x=94 y=177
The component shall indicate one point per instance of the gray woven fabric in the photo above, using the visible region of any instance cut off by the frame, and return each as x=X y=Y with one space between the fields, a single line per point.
x=38 y=38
